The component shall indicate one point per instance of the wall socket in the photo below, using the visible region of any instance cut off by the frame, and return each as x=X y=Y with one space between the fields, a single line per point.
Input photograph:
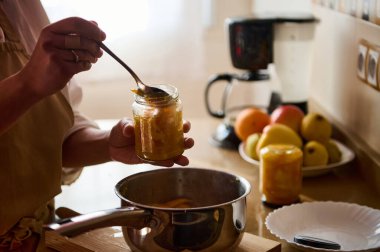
x=362 y=58
x=372 y=67
x=368 y=63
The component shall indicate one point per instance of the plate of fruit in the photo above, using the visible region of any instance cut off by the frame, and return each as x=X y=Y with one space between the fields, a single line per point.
x=287 y=124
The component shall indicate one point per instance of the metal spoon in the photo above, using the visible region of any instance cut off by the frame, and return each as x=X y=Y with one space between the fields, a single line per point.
x=145 y=89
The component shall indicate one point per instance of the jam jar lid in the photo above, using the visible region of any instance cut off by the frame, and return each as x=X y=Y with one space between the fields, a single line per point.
x=283 y=153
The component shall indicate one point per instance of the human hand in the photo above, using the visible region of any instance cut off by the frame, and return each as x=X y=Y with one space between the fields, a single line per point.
x=122 y=145
x=63 y=49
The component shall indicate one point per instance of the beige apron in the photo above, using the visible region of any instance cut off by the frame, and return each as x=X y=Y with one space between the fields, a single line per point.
x=30 y=153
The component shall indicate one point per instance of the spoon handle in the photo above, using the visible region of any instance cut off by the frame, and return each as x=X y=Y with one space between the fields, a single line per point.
x=316 y=242
x=134 y=75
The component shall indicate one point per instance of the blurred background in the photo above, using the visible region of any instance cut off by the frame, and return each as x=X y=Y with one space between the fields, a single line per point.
x=183 y=43
x=176 y=42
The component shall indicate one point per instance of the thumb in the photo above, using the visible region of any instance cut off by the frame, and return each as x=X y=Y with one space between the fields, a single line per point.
x=128 y=128
x=122 y=134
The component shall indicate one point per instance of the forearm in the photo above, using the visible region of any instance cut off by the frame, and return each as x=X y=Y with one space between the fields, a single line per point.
x=88 y=146
x=15 y=99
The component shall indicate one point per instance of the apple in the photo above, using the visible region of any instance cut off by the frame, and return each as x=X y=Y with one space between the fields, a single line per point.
x=251 y=144
x=316 y=127
x=314 y=154
x=289 y=115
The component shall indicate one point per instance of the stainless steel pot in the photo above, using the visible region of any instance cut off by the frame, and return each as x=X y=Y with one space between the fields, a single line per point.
x=215 y=221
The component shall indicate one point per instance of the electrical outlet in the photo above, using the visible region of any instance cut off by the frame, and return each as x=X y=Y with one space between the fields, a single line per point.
x=372 y=67
x=362 y=59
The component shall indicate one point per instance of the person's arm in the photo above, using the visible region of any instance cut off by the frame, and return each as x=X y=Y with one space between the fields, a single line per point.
x=87 y=146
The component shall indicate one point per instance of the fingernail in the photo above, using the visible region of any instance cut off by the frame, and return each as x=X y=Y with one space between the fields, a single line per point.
x=128 y=130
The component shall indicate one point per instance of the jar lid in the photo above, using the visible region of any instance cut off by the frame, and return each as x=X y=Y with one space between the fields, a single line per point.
x=283 y=153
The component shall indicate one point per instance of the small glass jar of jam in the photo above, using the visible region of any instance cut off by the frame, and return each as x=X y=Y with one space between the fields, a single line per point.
x=158 y=125
x=280 y=174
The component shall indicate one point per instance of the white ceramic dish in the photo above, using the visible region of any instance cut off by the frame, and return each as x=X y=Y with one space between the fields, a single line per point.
x=354 y=227
x=310 y=171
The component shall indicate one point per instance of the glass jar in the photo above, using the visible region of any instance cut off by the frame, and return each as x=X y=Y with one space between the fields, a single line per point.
x=280 y=174
x=158 y=125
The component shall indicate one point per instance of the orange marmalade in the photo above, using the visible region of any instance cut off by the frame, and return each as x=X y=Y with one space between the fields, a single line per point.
x=280 y=174
x=158 y=125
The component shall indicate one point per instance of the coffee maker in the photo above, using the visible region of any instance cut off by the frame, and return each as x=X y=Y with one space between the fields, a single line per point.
x=255 y=43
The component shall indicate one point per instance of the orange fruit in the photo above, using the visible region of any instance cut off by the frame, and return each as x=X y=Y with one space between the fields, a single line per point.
x=249 y=121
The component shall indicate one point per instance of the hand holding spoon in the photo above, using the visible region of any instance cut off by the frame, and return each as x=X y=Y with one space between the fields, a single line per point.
x=143 y=88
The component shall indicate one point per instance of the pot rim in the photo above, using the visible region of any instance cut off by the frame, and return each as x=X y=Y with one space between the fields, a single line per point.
x=242 y=180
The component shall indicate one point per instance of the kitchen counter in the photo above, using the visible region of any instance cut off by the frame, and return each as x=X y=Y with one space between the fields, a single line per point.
x=94 y=189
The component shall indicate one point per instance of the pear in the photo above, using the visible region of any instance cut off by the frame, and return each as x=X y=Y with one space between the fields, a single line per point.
x=250 y=145
x=314 y=154
x=335 y=154
x=278 y=134
x=316 y=127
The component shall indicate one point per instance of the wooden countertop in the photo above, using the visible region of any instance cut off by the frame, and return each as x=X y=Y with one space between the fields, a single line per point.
x=111 y=239
x=343 y=184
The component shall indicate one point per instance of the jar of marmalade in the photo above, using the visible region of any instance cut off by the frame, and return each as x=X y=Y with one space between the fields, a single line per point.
x=158 y=125
x=280 y=174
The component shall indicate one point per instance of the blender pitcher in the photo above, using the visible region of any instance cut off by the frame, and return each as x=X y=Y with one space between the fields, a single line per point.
x=293 y=42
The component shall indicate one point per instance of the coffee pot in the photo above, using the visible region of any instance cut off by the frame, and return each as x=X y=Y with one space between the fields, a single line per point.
x=267 y=48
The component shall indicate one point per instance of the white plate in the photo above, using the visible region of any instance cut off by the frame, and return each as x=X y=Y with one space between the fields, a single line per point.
x=354 y=227
x=309 y=171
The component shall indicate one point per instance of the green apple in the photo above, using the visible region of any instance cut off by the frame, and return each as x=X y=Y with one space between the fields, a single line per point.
x=250 y=145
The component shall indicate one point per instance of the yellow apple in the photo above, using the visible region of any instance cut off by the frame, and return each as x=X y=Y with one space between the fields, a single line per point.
x=314 y=154
x=335 y=154
x=316 y=127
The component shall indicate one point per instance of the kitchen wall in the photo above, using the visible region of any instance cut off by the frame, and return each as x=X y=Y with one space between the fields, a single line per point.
x=336 y=90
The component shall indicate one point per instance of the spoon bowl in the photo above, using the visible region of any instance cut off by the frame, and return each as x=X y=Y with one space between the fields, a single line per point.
x=142 y=88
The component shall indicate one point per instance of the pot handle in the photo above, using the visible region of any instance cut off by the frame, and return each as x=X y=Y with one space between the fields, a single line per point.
x=123 y=216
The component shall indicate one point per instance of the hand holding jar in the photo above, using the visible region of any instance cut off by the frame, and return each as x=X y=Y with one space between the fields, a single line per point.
x=122 y=145
x=156 y=134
